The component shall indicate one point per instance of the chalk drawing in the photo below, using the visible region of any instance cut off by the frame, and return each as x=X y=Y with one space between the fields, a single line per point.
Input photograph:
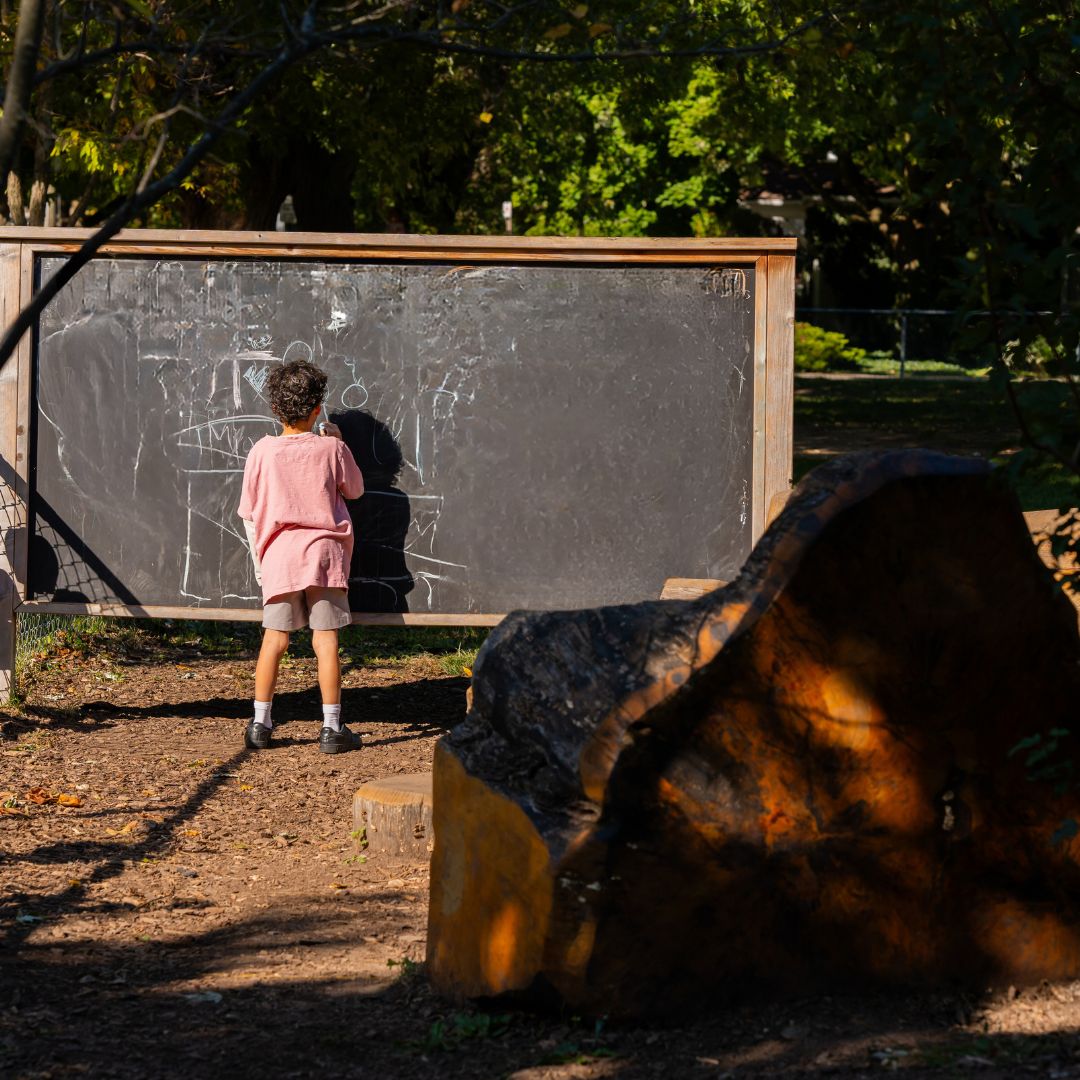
x=257 y=377
x=302 y=350
x=186 y=574
x=354 y=396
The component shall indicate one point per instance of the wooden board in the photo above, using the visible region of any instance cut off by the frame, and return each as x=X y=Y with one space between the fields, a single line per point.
x=579 y=534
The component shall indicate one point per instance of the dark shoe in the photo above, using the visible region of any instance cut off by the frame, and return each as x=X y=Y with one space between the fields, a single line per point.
x=257 y=736
x=337 y=742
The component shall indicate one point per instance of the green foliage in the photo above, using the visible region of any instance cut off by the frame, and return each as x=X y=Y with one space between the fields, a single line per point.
x=456 y=1031
x=824 y=350
x=455 y=647
x=884 y=363
x=1043 y=758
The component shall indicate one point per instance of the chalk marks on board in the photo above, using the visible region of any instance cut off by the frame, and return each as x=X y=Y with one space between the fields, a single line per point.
x=389 y=537
x=527 y=434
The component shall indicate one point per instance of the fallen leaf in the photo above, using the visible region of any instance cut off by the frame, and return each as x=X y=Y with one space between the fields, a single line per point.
x=596 y=29
x=468 y=671
x=557 y=32
x=337 y=885
x=69 y=800
x=246 y=787
x=485 y=117
x=40 y=796
x=130 y=827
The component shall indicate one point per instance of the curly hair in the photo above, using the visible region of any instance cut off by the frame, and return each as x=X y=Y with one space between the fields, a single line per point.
x=295 y=389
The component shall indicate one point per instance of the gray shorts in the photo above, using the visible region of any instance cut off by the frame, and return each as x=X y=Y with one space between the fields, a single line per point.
x=317 y=607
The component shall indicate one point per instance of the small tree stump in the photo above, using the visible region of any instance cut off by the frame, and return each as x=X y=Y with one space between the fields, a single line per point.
x=798 y=782
x=395 y=815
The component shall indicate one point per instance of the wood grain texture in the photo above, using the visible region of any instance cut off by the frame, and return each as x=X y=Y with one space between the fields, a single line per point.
x=382 y=245
x=801 y=782
x=762 y=450
x=394 y=815
x=161 y=611
x=780 y=379
x=24 y=358
x=678 y=588
x=11 y=489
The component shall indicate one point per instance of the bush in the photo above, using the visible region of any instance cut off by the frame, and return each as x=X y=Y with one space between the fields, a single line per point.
x=824 y=350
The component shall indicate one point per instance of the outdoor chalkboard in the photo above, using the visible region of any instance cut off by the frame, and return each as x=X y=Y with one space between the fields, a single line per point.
x=538 y=434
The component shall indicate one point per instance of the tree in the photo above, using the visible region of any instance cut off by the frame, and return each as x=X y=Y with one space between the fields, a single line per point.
x=194 y=76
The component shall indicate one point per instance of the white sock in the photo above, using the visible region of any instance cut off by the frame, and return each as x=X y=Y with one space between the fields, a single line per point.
x=262 y=714
x=331 y=717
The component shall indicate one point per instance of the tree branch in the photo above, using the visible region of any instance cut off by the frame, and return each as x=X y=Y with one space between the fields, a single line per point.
x=147 y=196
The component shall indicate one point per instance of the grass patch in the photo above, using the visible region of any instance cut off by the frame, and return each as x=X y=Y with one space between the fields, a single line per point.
x=389 y=646
x=965 y=416
x=44 y=640
x=879 y=364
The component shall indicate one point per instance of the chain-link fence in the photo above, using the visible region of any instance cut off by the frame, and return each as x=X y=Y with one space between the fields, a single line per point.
x=934 y=335
x=36 y=633
x=902 y=333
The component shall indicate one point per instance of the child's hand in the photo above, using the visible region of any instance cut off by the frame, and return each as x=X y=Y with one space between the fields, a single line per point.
x=330 y=429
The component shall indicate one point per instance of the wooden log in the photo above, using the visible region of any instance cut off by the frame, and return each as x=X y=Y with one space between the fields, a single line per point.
x=685 y=588
x=393 y=816
x=799 y=782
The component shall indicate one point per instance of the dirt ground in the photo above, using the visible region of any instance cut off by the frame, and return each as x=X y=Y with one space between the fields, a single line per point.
x=204 y=911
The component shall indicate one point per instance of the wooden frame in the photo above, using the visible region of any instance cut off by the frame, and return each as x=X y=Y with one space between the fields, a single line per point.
x=773 y=260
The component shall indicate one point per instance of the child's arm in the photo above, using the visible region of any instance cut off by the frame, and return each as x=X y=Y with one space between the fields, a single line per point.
x=249 y=528
x=350 y=479
x=246 y=510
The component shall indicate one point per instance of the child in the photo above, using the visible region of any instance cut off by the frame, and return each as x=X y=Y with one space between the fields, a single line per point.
x=301 y=537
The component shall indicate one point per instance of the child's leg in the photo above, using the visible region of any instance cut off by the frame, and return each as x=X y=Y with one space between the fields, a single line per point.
x=329 y=610
x=274 y=644
x=258 y=733
x=325 y=644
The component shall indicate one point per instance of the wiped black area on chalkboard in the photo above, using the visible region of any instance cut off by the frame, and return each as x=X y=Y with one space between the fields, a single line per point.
x=537 y=436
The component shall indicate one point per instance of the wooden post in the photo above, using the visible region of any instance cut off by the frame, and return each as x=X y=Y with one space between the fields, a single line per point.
x=12 y=491
x=780 y=378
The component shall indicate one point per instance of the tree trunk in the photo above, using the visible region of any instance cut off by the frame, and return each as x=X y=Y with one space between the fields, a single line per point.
x=40 y=186
x=16 y=214
x=20 y=78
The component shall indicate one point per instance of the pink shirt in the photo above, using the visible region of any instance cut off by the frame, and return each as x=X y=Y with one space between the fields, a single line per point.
x=295 y=487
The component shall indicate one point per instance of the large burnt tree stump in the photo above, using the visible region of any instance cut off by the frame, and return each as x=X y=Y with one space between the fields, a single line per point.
x=801 y=780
